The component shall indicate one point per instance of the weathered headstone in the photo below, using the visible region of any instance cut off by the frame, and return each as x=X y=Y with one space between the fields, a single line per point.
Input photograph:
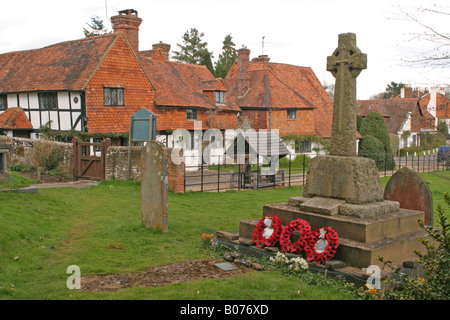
x=154 y=187
x=412 y=192
x=4 y=150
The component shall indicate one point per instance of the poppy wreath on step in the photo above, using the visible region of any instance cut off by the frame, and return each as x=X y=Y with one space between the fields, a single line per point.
x=299 y=245
x=322 y=245
x=267 y=231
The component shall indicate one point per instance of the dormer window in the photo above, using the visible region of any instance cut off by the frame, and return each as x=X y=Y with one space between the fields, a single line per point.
x=219 y=97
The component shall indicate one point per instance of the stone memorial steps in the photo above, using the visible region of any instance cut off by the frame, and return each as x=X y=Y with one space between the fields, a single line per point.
x=393 y=236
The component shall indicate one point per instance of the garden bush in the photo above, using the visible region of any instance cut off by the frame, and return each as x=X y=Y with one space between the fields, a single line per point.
x=47 y=155
x=371 y=147
x=374 y=125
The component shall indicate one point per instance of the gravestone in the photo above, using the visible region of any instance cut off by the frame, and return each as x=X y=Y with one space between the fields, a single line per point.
x=4 y=150
x=411 y=191
x=154 y=187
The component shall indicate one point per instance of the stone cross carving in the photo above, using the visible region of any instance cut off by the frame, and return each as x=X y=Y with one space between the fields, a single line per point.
x=345 y=64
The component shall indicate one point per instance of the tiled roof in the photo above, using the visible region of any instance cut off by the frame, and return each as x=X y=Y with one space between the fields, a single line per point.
x=394 y=110
x=183 y=85
x=14 y=119
x=442 y=105
x=62 y=66
x=280 y=86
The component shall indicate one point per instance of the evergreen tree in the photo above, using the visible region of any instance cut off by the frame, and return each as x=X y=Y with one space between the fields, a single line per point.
x=226 y=58
x=374 y=125
x=376 y=142
x=96 y=27
x=194 y=50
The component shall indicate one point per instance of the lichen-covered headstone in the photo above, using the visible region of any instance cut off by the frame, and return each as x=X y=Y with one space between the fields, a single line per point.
x=154 y=187
x=411 y=191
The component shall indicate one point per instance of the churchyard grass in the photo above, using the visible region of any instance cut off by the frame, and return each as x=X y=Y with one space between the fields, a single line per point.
x=99 y=230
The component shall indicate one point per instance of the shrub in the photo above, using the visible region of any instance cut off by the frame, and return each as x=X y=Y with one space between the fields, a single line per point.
x=395 y=142
x=46 y=155
x=410 y=150
x=371 y=147
x=374 y=125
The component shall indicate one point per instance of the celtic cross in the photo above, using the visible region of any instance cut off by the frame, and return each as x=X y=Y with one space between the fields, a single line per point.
x=345 y=65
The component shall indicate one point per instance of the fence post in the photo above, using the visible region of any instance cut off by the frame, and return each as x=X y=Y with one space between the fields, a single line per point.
x=105 y=145
x=304 y=162
x=184 y=178
x=239 y=176
x=257 y=172
x=76 y=157
x=218 y=177
x=290 y=160
x=201 y=174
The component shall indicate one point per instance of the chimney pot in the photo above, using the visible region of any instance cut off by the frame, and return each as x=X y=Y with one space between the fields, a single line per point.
x=128 y=22
x=262 y=58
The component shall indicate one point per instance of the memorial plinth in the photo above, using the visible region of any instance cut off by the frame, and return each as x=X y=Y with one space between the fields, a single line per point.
x=343 y=191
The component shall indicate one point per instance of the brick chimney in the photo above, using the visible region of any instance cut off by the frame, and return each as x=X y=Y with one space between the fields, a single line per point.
x=262 y=58
x=407 y=92
x=128 y=22
x=243 y=61
x=163 y=47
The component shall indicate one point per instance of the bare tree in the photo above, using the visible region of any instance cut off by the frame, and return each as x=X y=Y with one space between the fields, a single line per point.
x=435 y=40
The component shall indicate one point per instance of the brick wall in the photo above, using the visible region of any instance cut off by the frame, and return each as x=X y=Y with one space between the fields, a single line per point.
x=302 y=125
x=116 y=167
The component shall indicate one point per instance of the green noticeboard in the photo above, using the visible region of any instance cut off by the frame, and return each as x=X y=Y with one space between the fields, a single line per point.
x=142 y=126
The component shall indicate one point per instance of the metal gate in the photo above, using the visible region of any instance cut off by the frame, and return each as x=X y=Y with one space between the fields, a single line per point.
x=89 y=159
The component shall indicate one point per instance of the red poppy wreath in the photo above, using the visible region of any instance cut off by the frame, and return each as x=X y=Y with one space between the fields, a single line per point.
x=322 y=245
x=267 y=231
x=285 y=238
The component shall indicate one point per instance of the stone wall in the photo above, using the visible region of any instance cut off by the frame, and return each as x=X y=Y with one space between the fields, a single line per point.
x=116 y=163
x=22 y=152
x=116 y=167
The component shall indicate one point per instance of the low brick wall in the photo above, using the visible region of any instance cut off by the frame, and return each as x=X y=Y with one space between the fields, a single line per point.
x=22 y=152
x=116 y=167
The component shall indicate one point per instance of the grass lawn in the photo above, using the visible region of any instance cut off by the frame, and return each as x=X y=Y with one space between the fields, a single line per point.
x=42 y=234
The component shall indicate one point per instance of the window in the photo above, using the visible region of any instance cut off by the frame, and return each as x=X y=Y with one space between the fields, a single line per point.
x=48 y=100
x=191 y=114
x=113 y=96
x=292 y=114
x=219 y=97
x=303 y=146
x=3 y=102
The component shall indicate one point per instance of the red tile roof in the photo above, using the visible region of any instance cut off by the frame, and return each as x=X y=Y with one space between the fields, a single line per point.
x=15 y=119
x=442 y=105
x=183 y=85
x=281 y=86
x=63 y=66
x=395 y=111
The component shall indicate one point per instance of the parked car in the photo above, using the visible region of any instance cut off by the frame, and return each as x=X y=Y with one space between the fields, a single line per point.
x=444 y=154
